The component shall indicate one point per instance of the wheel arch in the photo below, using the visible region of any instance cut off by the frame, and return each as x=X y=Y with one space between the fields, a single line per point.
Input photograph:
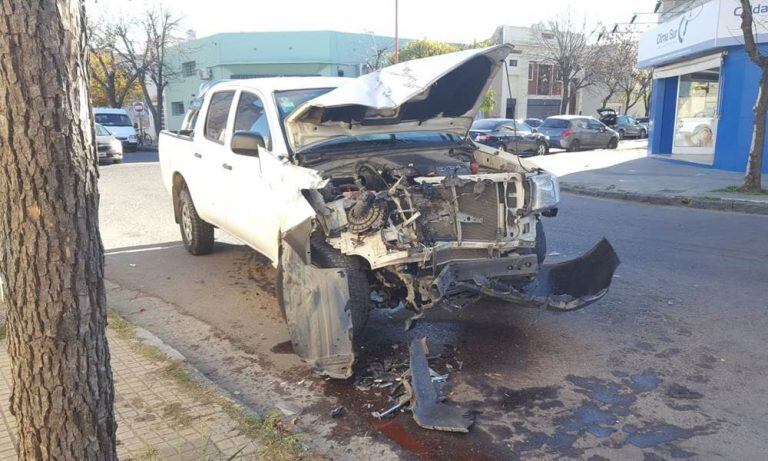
x=177 y=185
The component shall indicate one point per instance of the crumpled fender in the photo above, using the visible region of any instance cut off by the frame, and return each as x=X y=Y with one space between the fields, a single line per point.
x=316 y=308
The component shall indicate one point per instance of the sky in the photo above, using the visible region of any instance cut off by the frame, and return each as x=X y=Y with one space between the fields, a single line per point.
x=445 y=20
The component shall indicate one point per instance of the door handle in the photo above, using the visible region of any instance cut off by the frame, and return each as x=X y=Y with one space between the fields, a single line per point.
x=226 y=166
x=198 y=155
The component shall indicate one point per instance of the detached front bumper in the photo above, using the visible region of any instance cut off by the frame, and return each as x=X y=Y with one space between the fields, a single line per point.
x=564 y=286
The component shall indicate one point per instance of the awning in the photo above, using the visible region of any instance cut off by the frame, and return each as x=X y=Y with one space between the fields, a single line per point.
x=690 y=66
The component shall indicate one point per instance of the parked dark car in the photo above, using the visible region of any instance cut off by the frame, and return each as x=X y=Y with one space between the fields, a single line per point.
x=534 y=122
x=625 y=125
x=509 y=135
x=575 y=132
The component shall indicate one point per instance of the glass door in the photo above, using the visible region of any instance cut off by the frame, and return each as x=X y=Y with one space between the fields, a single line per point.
x=697 y=115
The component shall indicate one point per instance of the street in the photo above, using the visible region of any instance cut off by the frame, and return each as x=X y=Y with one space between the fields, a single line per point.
x=670 y=364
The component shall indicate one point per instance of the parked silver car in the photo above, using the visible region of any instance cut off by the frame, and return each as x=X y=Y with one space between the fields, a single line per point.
x=575 y=132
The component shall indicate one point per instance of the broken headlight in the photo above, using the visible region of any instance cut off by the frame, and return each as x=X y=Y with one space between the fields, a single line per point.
x=545 y=191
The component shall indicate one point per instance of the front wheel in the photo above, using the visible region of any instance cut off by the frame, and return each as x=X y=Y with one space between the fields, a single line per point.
x=613 y=143
x=541 y=149
x=196 y=234
x=541 y=242
x=621 y=134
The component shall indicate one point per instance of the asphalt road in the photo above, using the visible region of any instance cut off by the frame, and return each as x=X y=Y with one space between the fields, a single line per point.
x=671 y=364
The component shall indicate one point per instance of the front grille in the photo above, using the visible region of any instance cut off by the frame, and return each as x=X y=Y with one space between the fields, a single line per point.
x=103 y=147
x=485 y=206
x=478 y=208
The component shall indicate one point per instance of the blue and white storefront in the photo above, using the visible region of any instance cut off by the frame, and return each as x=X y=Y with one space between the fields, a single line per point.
x=704 y=85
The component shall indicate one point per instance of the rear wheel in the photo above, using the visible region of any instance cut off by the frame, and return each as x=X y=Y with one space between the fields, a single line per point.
x=575 y=146
x=643 y=133
x=196 y=234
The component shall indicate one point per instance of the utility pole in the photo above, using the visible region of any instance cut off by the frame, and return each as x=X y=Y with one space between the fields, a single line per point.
x=397 y=46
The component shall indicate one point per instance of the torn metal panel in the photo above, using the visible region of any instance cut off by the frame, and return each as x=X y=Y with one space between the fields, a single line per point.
x=317 y=312
x=564 y=286
x=428 y=411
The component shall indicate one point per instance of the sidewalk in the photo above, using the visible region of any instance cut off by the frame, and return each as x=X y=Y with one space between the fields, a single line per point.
x=629 y=174
x=162 y=412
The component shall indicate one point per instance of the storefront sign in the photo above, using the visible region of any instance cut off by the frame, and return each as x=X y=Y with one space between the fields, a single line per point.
x=702 y=28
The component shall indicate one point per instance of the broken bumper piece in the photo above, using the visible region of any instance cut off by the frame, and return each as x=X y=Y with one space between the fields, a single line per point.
x=564 y=286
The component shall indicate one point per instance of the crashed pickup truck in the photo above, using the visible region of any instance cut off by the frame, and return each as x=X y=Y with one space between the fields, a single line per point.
x=367 y=193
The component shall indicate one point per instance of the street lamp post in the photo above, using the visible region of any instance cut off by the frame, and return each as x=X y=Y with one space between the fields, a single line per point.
x=397 y=46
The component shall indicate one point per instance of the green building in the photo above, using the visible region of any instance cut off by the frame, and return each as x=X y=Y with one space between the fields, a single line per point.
x=266 y=54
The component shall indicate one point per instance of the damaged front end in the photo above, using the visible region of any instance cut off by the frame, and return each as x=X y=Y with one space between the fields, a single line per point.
x=428 y=217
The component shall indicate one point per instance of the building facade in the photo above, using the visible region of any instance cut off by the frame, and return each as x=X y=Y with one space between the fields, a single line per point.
x=704 y=84
x=266 y=54
x=532 y=88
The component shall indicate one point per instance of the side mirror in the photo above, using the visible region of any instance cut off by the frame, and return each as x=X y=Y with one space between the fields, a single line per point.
x=247 y=143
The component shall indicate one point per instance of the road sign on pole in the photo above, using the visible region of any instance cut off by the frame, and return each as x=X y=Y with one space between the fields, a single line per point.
x=138 y=106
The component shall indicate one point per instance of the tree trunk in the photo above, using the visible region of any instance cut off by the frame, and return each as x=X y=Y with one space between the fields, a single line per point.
x=754 y=175
x=51 y=256
x=572 y=101
x=566 y=86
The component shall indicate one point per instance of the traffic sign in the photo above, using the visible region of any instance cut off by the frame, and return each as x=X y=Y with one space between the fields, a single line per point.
x=138 y=106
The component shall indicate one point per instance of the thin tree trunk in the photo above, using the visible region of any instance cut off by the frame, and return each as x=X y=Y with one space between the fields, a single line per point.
x=51 y=255
x=754 y=175
x=566 y=97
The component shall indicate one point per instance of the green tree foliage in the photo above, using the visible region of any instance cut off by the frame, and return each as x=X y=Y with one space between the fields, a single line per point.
x=417 y=49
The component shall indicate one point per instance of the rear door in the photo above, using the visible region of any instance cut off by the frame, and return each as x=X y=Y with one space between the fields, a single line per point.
x=211 y=157
x=599 y=132
x=526 y=138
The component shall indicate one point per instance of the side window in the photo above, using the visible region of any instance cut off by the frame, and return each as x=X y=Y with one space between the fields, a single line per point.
x=250 y=116
x=580 y=123
x=595 y=125
x=216 y=120
x=505 y=128
x=523 y=128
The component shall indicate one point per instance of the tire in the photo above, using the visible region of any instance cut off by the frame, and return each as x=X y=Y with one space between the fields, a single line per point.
x=325 y=256
x=613 y=143
x=643 y=134
x=575 y=146
x=196 y=234
x=621 y=134
x=541 y=242
x=541 y=149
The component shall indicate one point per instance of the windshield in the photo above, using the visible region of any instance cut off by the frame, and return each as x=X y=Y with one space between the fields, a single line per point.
x=113 y=120
x=555 y=123
x=288 y=101
x=408 y=139
x=101 y=131
x=486 y=124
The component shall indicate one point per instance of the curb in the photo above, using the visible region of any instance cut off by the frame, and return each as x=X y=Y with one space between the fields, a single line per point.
x=148 y=338
x=717 y=204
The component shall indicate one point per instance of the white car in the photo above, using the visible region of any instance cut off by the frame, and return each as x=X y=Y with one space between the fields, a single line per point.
x=119 y=124
x=367 y=193
x=108 y=147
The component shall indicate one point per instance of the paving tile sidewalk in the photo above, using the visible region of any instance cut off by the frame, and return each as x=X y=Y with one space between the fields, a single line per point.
x=631 y=175
x=157 y=418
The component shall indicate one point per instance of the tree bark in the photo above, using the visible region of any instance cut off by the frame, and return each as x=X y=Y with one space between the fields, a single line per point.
x=753 y=177
x=51 y=255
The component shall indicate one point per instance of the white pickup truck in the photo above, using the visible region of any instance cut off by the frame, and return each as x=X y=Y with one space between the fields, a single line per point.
x=367 y=193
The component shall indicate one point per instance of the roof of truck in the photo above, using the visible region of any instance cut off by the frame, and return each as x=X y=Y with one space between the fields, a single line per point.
x=269 y=84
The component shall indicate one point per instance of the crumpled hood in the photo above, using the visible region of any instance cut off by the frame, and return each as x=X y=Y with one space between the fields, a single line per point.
x=439 y=93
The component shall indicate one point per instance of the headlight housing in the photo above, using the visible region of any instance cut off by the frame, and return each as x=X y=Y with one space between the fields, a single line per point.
x=132 y=138
x=545 y=191
x=116 y=146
